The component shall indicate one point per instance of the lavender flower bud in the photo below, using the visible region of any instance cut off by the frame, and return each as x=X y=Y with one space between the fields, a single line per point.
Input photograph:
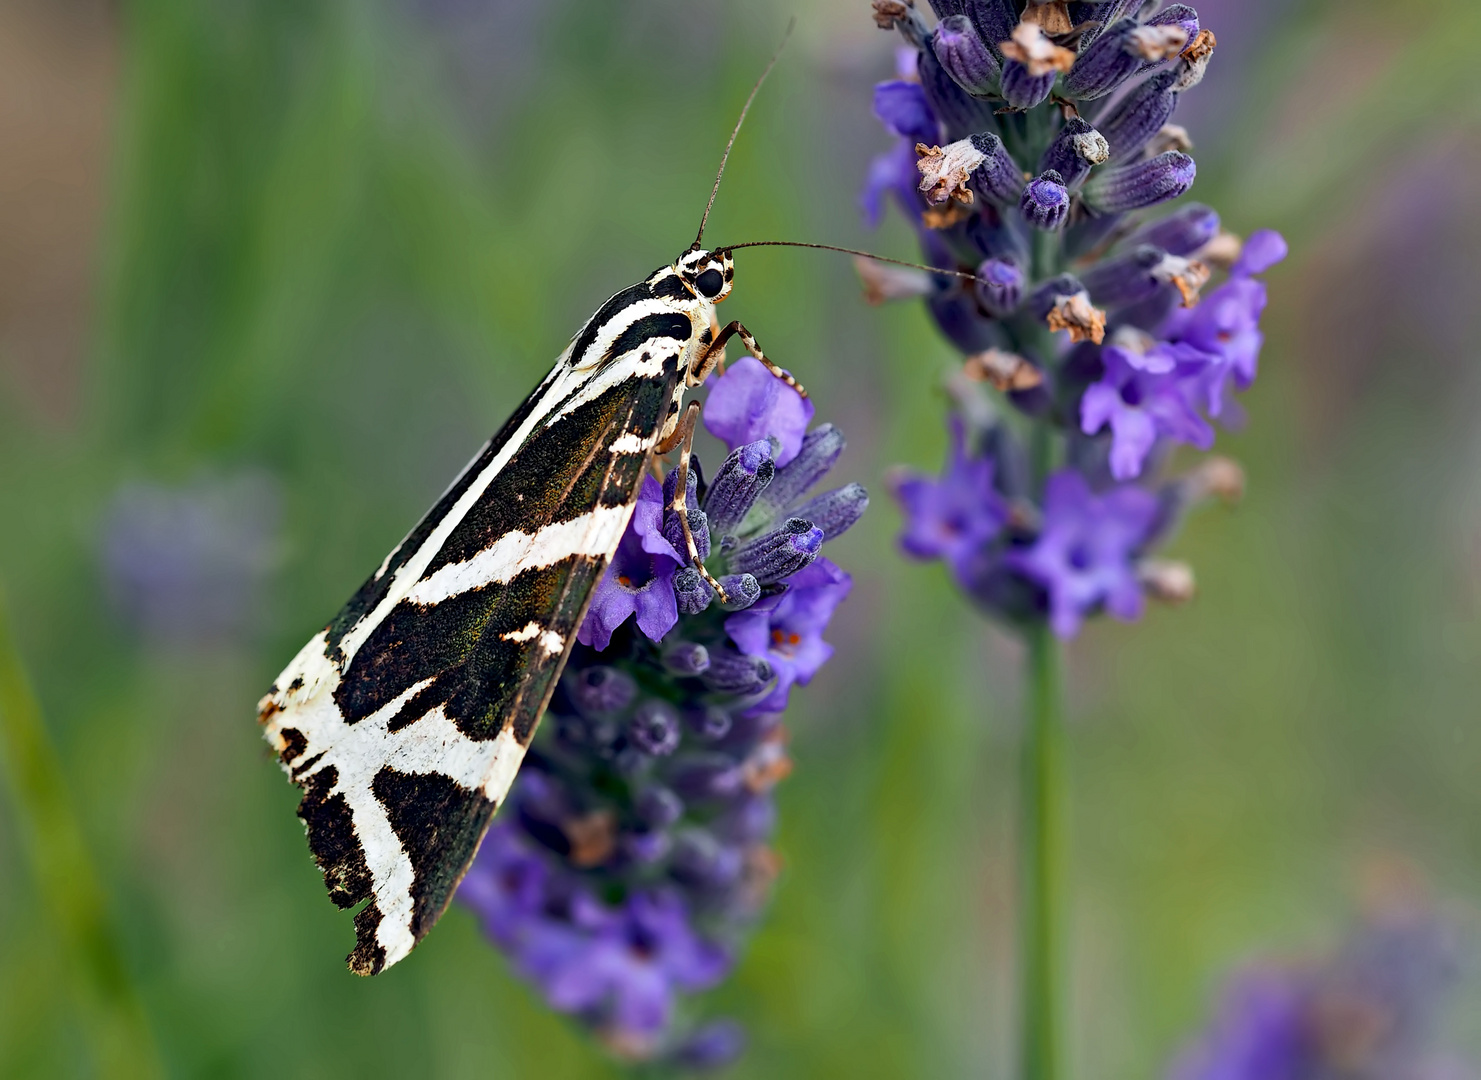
x=602 y=691
x=741 y=591
x=999 y=286
x=964 y=56
x=959 y=112
x=647 y=848
x=710 y=723
x=737 y=485
x=1182 y=232
x=1127 y=279
x=684 y=658
x=835 y=511
x=1133 y=121
x=699 y=528
x=700 y=859
x=1146 y=183
x=1175 y=15
x=706 y=777
x=945 y=9
x=997 y=177
x=1075 y=150
x=1062 y=303
x=1043 y=299
x=1022 y=90
x=657 y=807
x=731 y=672
x=1108 y=62
x=1033 y=63
x=820 y=449
x=994 y=20
x=779 y=553
x=691 y=592
x=1046 y=202
x=654 y=728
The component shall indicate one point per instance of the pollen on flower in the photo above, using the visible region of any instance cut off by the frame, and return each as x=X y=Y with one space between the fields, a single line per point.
x=1031 y=47
x=945 y=171
x=1080 y=317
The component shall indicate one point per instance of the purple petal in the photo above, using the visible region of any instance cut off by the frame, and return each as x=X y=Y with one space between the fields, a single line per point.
x=1261 y=251
x=748 y=403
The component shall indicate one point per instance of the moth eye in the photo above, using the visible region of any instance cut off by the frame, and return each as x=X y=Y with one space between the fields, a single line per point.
x=710 y=283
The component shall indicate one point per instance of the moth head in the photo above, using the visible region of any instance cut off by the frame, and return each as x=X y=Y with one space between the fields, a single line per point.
x=708 y=273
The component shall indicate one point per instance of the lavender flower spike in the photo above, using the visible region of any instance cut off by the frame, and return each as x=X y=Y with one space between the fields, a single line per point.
x=632 y=857
x=1111 y=337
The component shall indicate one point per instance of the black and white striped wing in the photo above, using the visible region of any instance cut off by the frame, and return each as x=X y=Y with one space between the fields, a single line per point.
x=406 y=718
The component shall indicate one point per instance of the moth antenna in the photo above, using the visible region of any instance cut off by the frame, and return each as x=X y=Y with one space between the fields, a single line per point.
x=725 y=157
x=854 y=251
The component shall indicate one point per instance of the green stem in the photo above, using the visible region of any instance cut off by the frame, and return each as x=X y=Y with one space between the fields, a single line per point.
x=1043 y=864
x=68 y=885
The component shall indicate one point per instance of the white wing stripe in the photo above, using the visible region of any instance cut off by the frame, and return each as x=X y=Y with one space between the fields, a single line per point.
x=594 y=533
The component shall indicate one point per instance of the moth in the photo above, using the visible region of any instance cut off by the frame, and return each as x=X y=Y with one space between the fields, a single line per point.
x=405 y=719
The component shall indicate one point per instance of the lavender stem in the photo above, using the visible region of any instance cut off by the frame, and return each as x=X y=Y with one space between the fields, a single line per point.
x=1043 y=864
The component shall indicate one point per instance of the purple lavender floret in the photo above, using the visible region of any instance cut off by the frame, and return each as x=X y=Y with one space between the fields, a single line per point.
x=1085 y=554
x=952 y=517
x=1115 y=332
x=1141 y=406
x=640 y=580
x=632 y=856
x=1368 y=1011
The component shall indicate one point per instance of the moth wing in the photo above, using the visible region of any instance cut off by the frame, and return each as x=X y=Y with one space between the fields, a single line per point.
x=406 y=719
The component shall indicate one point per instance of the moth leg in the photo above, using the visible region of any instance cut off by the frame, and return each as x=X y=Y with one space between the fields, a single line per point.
x=715 y=354
x=683 y=437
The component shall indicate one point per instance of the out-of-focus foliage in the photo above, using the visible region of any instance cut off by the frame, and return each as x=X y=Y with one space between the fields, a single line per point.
x=342 y=239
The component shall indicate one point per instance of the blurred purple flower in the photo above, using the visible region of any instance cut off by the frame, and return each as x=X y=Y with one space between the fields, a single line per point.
x=1369 y=1012
x=1085 y=554
x=187 y=566
x=951 y=518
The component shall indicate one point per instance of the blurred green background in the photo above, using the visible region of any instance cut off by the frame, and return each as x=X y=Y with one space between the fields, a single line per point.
x=270 y=272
